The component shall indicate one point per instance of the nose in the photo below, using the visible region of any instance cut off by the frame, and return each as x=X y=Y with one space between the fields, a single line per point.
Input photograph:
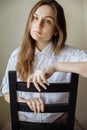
x=40 y=23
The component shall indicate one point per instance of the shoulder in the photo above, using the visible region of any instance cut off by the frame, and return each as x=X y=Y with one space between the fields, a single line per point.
x=73 y=54
x=68 y=50
x=15 y=52
x=14 y=56
x=71 y=51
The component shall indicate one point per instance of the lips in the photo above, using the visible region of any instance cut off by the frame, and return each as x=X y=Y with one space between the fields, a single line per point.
x=37 y=32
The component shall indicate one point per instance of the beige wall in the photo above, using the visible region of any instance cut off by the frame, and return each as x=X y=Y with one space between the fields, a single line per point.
x=85 y=19
x=13 y=17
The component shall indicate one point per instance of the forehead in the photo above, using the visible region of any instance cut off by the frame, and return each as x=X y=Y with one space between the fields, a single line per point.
x=45 y=10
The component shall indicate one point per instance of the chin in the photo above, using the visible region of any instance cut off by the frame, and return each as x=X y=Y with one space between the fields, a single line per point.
x=36 y=38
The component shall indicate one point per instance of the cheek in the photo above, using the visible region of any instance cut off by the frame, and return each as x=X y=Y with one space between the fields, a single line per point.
x=31 y=28
x=51 y=29
x=48 y=35
x=51 y=32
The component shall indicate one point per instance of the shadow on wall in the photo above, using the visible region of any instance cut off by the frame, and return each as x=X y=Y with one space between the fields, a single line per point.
x=4 y=112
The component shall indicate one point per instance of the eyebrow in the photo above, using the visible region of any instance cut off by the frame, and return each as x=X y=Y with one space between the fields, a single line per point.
x=46 y=16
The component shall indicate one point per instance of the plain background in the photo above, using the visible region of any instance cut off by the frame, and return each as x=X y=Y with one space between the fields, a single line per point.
x=13 y=17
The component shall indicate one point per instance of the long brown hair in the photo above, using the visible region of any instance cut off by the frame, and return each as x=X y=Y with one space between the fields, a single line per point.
x=27 y=52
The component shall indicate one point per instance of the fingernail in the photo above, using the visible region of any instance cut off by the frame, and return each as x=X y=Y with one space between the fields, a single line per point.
x=42 y=110
x=39 y=90
x=48 y=84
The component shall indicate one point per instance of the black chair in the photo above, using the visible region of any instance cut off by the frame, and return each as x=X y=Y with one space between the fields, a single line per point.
x=69 y=107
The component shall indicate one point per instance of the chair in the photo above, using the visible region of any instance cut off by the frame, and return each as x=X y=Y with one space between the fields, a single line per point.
x=69 y=107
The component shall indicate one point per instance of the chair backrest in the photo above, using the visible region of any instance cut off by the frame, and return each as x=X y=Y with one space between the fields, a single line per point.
x=69 y=107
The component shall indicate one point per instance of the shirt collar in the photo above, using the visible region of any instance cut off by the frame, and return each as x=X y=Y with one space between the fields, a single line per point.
x=48 y=50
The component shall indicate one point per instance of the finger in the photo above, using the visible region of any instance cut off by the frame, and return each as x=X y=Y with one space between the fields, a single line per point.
x=33 y=105
x=40 y=81
x=43 y=77
x=46 y=82
x=43 y=85
x=29 y=104
x=38 y=105
x=41 y=104
x=36 y=83
x=29 y=80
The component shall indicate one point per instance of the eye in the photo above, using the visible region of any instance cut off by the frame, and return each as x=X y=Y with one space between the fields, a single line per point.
x=47 y=21
x=35 y=18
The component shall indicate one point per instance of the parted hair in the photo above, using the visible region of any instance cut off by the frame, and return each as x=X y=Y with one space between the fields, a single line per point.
x=27 y=51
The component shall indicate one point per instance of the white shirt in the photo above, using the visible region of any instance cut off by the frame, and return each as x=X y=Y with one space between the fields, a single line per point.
x=43 y=59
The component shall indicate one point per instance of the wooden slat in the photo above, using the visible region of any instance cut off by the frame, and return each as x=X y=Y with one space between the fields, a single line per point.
x=54 y=87
x=62 y=107
x=48 y=126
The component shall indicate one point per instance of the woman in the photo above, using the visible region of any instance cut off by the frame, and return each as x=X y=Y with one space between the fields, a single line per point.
x=43 y=44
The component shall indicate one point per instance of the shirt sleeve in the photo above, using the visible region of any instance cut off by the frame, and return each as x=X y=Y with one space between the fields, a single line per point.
x=4 y=88
x=76 y=55
x=81 y=56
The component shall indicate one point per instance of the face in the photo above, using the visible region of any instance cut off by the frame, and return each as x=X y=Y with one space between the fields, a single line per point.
x=43 y=25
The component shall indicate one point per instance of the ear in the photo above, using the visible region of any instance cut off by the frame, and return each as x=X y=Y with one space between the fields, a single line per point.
x=56 y=34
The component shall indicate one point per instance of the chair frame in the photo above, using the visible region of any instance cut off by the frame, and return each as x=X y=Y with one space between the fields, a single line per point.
x=69 y=107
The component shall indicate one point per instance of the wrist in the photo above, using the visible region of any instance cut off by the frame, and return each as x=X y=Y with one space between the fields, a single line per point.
x=21 y=100
x=55 y=67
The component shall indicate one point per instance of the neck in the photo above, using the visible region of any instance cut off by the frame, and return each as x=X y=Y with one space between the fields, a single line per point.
x=41 y=45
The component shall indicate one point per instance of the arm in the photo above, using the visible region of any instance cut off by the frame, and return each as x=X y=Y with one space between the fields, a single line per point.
x=7 y=98
x=75 y=67
x=41 y=75
x=35 y=104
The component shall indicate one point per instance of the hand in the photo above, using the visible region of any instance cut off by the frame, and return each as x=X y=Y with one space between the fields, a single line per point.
x=40 y=77
x=36 y=104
